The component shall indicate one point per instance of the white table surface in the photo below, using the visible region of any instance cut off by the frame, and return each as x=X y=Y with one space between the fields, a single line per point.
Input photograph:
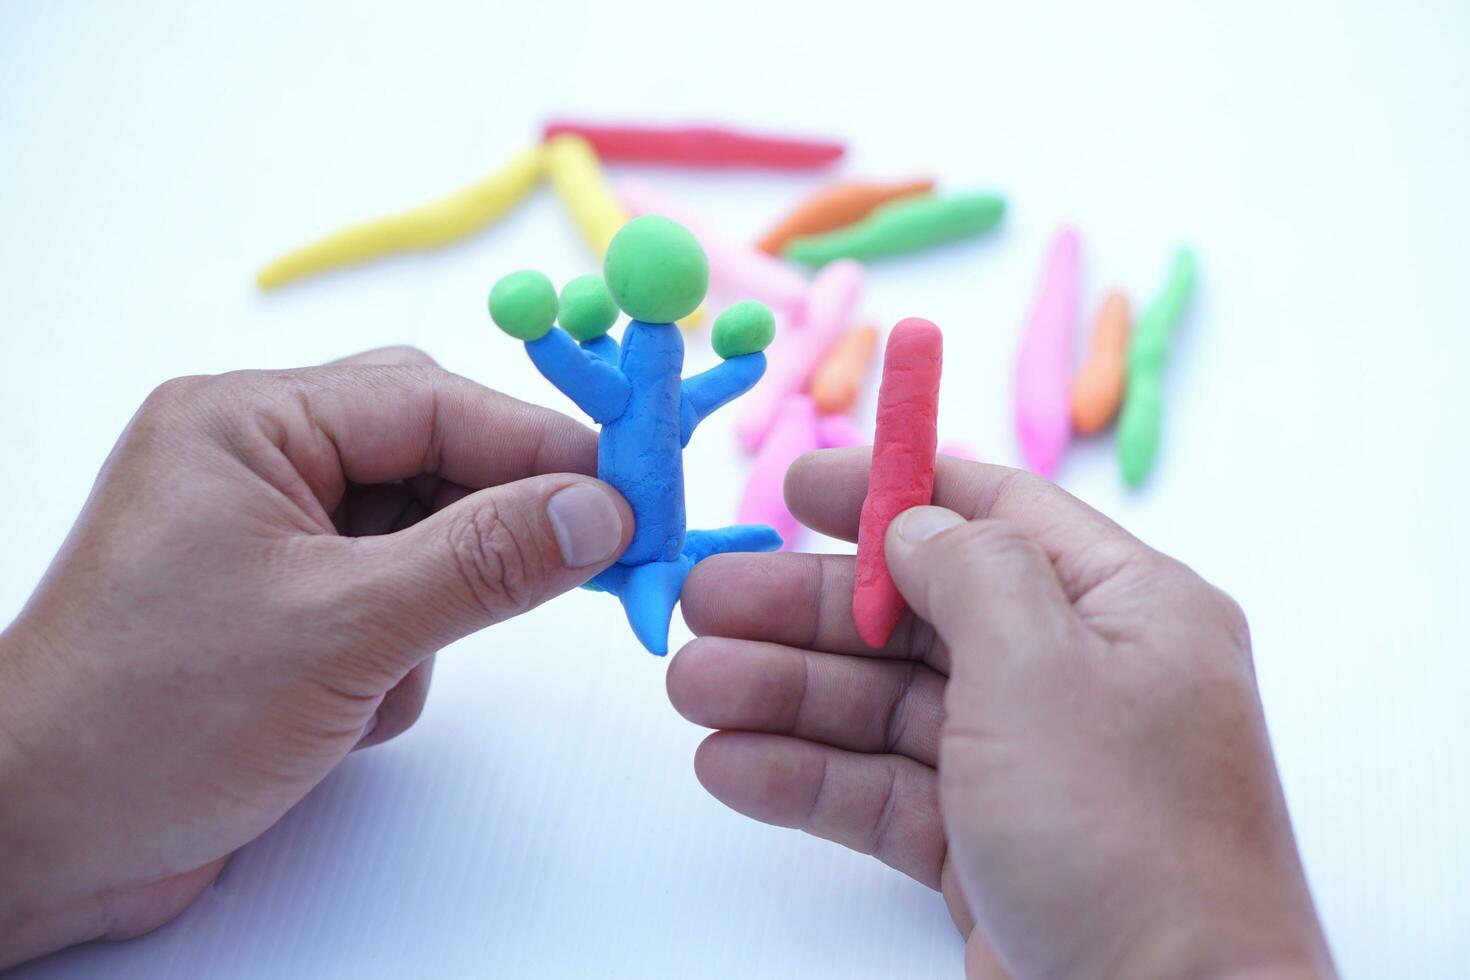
x=542 y=820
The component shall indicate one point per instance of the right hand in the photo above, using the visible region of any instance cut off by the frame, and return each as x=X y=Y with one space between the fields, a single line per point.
x=1065 y=737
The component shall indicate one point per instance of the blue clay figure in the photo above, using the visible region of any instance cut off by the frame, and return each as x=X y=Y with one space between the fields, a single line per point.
x=656 y=272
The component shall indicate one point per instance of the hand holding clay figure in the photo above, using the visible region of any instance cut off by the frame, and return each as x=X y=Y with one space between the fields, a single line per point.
x=257 y=586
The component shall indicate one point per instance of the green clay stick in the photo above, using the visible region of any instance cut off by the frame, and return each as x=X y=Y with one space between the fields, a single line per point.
x=1142 y=418
x=906 y=225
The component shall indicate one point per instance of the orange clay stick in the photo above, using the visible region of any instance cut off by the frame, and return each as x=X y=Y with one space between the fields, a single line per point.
x=838 y=379
x=1097 y=389
x=836 y=205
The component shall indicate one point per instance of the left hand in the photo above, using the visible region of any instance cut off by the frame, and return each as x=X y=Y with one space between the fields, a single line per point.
x=257 y=585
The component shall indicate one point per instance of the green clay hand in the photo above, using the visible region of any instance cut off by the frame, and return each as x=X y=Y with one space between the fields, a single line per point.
x=523 y=304
x=587 y=308
x=744 y=328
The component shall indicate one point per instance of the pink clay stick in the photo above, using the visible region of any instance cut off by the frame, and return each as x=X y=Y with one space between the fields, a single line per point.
x=764 y=500
x=903 y=468
x=735 y=268
x=831 y=304
x=1044 y=364
x=839 y=432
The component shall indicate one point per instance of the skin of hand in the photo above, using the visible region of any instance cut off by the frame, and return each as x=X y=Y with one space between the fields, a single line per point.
x=1064 y=736
x=256 y=586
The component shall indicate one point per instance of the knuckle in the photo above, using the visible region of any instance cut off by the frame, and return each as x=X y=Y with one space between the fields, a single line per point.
x=884 y=819
x=174 y=393
x=975 y=552
x=996 y=539
x=170 y=409
x=405 y=354
x=1232 y=616
x=896 y=724
x=491 y=562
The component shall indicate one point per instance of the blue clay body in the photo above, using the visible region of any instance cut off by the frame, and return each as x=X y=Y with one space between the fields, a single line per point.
x=648 y=413
x=640 y=452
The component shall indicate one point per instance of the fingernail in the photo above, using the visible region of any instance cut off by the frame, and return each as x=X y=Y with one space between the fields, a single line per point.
x=922 y=523
x=587 y=525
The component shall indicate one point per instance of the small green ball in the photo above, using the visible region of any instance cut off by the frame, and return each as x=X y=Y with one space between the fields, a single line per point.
x=744 y=328
x=587 y=308
x=656 y=270
x=523 y=304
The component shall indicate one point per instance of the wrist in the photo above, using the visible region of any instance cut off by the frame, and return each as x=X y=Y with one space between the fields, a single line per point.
x=38 y=910
x=1247 y=941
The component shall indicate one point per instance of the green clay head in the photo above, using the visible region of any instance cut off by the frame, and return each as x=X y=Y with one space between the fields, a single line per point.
x=587 y=308
x=656 y=270
x=744 y=328
x=523 y=304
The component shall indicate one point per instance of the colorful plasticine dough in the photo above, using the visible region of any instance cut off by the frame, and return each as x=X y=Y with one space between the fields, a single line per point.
x=836 y=206
x=1142 y=418
x=764 y=501
x=839 y=379
x=443 y=221
x=585 y=309
x=902 y=226
x=830 y=306
x=798 y=429
x=903 y=468
x=839 y=432
x=735 y=268
x=745 y=328
x=576 y=175
x=1097 y=388
x=1044 y=363
x=524 y=304
x=700 y=146
x=654 y=271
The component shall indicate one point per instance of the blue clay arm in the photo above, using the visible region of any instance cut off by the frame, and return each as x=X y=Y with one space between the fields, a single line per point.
x=721 y=384
x=584 y=376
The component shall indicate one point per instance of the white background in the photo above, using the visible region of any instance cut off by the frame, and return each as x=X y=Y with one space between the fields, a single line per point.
x=543 y=819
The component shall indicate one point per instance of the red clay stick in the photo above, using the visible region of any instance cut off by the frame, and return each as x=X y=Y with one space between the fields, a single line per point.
x=700 y=146
x=903 y=468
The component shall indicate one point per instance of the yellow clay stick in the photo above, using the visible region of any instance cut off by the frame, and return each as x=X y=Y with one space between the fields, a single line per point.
x=576 y=174
x=438 y=223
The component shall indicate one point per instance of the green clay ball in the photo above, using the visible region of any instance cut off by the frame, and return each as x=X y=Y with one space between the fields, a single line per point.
x=523 y=304
x=656 y=270
x=587 y=308
x=744 y=328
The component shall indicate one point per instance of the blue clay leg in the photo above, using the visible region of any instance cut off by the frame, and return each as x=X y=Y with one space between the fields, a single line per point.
x=648 y=594
x=650 y=591
x=610 y=579
x=699 y=545
x=597 y=386
x=721 y=384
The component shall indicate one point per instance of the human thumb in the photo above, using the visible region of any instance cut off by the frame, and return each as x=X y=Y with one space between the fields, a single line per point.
x=983 y=585
x=498 y=553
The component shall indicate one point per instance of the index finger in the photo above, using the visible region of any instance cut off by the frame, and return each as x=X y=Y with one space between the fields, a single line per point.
x=374 y=423
x=825 y=491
